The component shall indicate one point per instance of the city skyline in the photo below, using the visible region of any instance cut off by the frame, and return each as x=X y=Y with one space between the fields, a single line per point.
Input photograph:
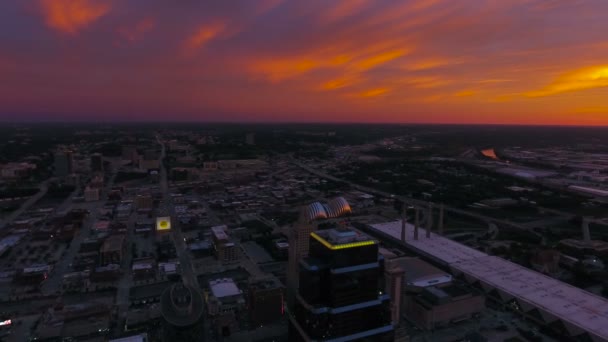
x=425 y=61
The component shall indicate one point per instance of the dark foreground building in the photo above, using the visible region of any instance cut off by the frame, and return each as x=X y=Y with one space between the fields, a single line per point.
x=340 y=296
x=182 y=312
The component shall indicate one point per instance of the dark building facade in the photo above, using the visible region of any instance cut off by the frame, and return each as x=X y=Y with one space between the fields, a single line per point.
x=96 y=162
x=64 y=163
x=340 y=297
x=265 y=302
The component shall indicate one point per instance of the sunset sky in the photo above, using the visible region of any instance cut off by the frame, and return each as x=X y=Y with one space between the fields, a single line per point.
x=437 y=61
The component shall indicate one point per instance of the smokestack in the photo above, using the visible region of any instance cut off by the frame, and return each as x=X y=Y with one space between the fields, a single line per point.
x=586 y=233
x=416 y=224
x=403 y=222
x=440 y=228
x=429 y=221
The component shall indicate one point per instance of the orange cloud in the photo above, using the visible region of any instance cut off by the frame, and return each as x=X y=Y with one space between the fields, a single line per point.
x=428 y=64
x=494 y=80
x=425 y=82
x=203 y=35
x=465 y=93
x=341 y=82
x=70 y=16
x=341 y=59
x=374 y=92
x=506 y=97
x=277 y=70
x=581 y=79
x=374 y=61
x=347 y=57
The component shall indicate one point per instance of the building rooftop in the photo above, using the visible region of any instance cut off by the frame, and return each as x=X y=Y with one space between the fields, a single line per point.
x=113 y=243
x=282 y=245
x=102 y=225
x=340 y=238
x=420 y=273
x=437 y=247
x=135 y=338
x=224 y=287
x=265 y=282
x=220 y=232
x=37 y=269
x=578 y=309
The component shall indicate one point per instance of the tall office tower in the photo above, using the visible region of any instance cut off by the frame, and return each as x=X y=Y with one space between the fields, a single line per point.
x=299 y=235
x=96 y=162
x=341 y=294
x=64 y=163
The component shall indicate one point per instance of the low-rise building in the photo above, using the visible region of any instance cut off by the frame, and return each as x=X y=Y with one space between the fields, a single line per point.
x=113 y=250
x=225 y=304
x=265 y=301
x=143 y=269
x=436 y=306
x=91 y=194
x=75 y=281
x=108 y=273
x=78 y=321
x=102 y=226
x=123 y=211
x=146 y=294
x=33 y=275
x=14 y=171
x=144 y=203
x=134 y=338
x=149 y=164
x=225 y=249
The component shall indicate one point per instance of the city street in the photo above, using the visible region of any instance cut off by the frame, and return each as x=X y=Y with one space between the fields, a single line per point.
x=188 y=275
x=52 y=285
x=44 y=187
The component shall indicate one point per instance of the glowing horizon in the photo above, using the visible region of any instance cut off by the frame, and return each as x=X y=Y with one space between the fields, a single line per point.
x=376 y=61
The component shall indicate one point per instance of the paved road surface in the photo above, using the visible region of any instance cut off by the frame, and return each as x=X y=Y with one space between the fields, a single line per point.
x=188 y=275
x=53 y=284
x=126 y=280
x=44 y=187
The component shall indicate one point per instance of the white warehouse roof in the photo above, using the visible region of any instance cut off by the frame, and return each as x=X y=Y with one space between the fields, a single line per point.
x=579 y=310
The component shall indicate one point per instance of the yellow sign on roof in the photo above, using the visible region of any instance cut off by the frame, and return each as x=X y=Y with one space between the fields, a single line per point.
x=163 y=223
x=341 y=246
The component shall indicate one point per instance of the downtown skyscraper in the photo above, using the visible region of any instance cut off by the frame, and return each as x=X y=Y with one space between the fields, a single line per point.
x=341 y=293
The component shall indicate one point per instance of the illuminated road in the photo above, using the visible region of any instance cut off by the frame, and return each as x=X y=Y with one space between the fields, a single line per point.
x=188 y=275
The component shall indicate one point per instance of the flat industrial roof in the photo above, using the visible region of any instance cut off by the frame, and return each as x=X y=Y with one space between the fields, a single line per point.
x=224 y=288
x=555 y=299
x=220 y=232
x=135 y=338
x=437 y=247
x=419 y=272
